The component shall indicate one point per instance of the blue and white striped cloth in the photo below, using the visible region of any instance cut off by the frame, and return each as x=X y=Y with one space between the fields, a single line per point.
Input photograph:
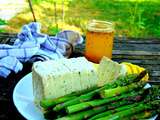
x=31 y=44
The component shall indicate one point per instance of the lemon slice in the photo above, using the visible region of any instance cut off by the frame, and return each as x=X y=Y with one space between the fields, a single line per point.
x=134 y=69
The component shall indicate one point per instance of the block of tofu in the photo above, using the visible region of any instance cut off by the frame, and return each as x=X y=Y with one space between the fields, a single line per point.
x=108 y=71
x=52 y=79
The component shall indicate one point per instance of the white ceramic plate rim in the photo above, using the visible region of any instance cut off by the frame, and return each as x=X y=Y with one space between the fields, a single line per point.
x=24 y=101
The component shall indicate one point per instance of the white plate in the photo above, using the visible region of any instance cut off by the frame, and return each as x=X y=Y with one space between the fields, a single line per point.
x=23 y=99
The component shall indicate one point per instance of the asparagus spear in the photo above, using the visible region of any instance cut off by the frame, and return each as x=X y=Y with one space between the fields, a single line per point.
x=98 y=102
x=85 y=97
x=143 y=115
x=48 y=103
x=132 y=111
x=84 y=114
x=120 y=90
x=152 y=95
x=113 y=111
x=88 y=113
x=88 y=96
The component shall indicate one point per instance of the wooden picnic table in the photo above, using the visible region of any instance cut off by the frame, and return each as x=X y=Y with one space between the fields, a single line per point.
x=143 y=52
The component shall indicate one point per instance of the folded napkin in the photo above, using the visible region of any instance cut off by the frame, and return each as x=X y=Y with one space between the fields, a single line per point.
x=32 y=45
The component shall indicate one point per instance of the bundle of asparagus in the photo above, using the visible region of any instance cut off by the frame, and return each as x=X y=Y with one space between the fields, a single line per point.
x=125 y=97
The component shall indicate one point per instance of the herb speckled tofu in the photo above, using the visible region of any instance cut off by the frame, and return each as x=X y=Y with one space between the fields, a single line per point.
x=52 y=79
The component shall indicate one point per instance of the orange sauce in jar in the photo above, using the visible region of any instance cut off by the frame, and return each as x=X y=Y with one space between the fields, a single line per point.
x=99 y=40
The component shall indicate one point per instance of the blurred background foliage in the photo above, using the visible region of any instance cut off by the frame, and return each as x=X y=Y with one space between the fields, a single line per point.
x=132 y=18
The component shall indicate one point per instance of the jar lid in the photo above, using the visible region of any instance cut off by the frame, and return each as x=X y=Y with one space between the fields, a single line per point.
x=100 y=26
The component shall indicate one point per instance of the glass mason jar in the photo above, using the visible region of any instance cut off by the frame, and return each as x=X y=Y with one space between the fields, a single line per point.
x=99 y=40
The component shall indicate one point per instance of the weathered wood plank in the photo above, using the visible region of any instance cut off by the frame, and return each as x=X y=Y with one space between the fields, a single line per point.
x=137 y=41
x=129 y=52
x=135 y=48
x=8 y=35
x=138 y=47
x=119 y=43
x=136 y=57
x=140 y=62
x=151 y=67
x=155 y=73
x=154 y=78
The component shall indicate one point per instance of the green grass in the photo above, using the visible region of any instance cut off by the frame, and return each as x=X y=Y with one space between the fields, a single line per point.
x=2 y=30
x=53 y=30
x=39 y=1
x=133 y=19
x=3 y=22
x=51 y=1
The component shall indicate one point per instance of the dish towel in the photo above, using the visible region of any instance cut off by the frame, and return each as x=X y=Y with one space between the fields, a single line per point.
x=32 y=45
